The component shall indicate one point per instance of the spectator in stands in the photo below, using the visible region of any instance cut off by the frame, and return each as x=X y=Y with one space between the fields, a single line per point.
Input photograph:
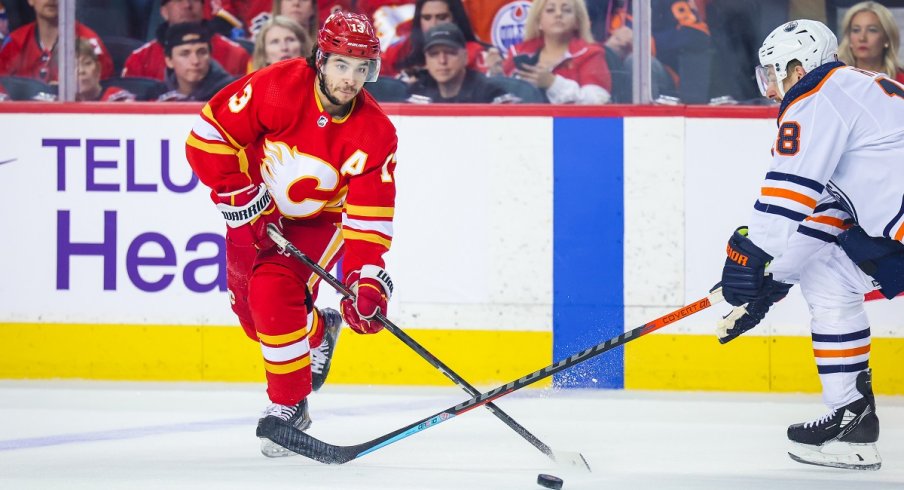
x=498 y=22
x=280 y=39
x=30 y=50
x=870 y=40
x=558 y=54
x=392 y=19
x=4 y=24
x=405 y=59
x=191 y=73
x=87 y=73
x=448 y=77
x=682 y=45
x=304 y=12
x=148 y=60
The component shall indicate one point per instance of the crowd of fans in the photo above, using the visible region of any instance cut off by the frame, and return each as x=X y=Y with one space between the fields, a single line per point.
x=477 y=51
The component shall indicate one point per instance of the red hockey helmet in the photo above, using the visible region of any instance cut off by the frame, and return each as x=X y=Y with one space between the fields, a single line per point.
x=350 y=34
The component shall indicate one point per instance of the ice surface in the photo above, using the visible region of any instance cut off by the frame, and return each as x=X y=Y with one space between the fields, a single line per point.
x=92 y=435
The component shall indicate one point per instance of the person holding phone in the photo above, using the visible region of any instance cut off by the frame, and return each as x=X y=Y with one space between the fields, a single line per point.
x=558 y=54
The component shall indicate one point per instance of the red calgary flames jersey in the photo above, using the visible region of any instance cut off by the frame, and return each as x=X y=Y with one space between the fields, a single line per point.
x=270 y=127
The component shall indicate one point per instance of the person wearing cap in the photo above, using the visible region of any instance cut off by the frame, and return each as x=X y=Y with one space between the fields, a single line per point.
x=191 y=73
x=148 y=60
x=300 y=146
x=31 y=50
x=448 y=78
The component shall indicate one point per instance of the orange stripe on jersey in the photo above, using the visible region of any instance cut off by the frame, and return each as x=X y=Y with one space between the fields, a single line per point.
x=856 y=351
x=286 y=338
x=288 y=367
x=899 y=236
x=367 y=237
x=369 y=211
x=786 y=194
x=809 y=93
x=214 y=148
x=208 y=115
x=828 y=220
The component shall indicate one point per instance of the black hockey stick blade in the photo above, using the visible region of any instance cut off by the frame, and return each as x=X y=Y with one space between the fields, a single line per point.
x=324 y=452
x=564 y=458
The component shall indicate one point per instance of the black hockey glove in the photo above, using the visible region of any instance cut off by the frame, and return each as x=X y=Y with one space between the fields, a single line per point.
x=743 y=318
x=744 y=270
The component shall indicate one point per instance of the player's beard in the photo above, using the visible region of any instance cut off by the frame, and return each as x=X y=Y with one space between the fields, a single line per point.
x=326 y=92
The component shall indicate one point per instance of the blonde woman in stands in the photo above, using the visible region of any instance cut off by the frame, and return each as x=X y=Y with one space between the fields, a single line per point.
x=870 y=39
x=279 y=39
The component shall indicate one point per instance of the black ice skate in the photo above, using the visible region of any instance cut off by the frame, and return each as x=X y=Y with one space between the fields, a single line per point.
x=843 y=438
x=297 y=416
x=323 y=355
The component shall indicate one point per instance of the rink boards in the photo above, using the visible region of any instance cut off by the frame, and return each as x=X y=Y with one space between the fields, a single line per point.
x=522 y=234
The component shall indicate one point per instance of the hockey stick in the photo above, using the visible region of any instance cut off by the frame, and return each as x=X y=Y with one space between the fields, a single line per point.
x=313 y=448
x=567 y=458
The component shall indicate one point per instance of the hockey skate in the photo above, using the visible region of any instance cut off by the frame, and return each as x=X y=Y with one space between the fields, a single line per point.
x=843 y=438
x=322 y=356
x=297 y=416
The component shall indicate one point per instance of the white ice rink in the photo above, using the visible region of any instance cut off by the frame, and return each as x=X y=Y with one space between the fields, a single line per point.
x=75 y=435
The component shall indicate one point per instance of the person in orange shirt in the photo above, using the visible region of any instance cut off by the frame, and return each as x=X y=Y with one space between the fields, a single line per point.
x=498 y=22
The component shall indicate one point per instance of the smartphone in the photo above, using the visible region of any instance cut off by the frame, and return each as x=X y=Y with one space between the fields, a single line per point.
x=523 y=60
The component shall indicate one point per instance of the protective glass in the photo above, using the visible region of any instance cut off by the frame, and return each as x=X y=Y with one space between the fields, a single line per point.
x=765 y=77
x=334 y=67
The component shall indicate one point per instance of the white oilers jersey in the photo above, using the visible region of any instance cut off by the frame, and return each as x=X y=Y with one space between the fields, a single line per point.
x=838 y=159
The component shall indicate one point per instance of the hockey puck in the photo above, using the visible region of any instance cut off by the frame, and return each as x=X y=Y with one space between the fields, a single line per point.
x=549 y=481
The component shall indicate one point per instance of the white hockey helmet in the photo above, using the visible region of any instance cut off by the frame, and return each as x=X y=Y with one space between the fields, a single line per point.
x=808 y=41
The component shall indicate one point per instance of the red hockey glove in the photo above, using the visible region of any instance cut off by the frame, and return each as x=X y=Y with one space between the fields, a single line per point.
x=248 y=211
x=372 y=287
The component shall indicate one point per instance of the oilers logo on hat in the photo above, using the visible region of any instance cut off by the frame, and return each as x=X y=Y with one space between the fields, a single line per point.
x=508 y=25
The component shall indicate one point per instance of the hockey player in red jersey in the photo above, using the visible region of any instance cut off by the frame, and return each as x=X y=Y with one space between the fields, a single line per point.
x=830 y=217
x=299 y=144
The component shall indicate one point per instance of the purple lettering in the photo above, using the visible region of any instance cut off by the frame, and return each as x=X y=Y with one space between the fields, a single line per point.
x=66 y=249
x=131 y=185
x=165 y=172
x=91 y=165
x=189 y=275
x=134 y=261
x=61 y=145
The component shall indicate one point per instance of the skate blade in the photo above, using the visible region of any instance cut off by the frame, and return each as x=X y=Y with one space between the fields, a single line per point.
x=838 y=454
x=271 y=449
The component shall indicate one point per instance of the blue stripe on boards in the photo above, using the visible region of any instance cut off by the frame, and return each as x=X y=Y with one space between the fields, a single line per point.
x=588 y=239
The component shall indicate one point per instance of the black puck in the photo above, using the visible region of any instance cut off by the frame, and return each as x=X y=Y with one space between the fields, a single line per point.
x=549 y=481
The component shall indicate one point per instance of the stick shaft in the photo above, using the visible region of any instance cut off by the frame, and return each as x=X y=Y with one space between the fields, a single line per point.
x=311 y=447
x=411 y=343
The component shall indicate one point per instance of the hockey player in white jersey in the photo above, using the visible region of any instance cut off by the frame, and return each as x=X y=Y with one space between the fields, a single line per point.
x=830 y=217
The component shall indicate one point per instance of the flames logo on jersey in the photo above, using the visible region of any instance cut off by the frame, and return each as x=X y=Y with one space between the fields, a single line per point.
x=508 y=25
x=301 y=184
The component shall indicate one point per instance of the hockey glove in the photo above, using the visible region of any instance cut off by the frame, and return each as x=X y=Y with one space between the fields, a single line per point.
x=372 y=287
x=744 y=270
x=248 y=211
x=743 y=318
